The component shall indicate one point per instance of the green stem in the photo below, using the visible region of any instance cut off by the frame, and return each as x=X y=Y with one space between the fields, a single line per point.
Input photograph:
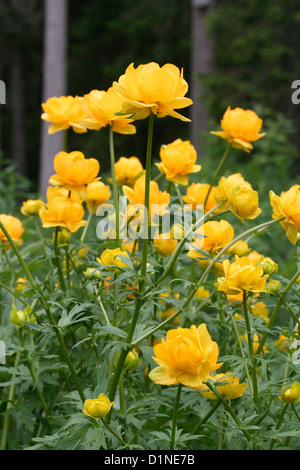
x=47 y=310
x=279 y=422
x=276 y=311
x=207 y=416
x=114 y=433
x=57 y=260
x=115 y=380
x=37 y=227
x=10 y=400
x=229 y=409
x=221 y=164
x=176 y=407
x=114 y=183
x=251 y=351
x=86 y=227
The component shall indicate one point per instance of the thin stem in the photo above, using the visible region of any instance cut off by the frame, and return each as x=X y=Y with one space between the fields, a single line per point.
x=176 y=407
x=57 y=260
x=207 y=416
x=86 y=227
x=221 y=164
x=114 y=183
x=38 y=230
x=114 y=433
x=279 y=422
x=115 y=380
x=251 y=351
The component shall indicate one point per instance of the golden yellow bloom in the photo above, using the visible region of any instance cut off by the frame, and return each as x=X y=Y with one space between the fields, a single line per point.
x=255 y=342
x=259 y=309
x=96 y=194
x=32 y=207
x=178 y=160
x=225 y=185
x=240 y=128
x=292 y=394
x=287 y=206
x=158 y=200
x=14 y=227
x=231 y=390
x=64 y=112
x=282 y=342
x=128 y=170
x=202 y=293
x=196 y=194
x=74 y=171
x=97 y=408
x=19 y=316
x=168 y=313
x=111 y=259
x=255 y=257
x=187 y=356
x=164 y=244
x=101 y=108
x=62 y=210
x=239 y=248
x=243 y=203
x=214 y=235
x=22 y=283
x=128 y=245
x=241 y=276
x=151 y=88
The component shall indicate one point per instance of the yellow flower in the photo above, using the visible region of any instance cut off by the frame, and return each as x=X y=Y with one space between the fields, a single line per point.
x=241 y=276
x=240 y=128
x=292 y=394
x=244 y=203
x=255 y=342
x=62 y=210
x=64 y=112
x=19 y=316
x=287 y=206
x=239 y=248
x=101 y=108
x=22 y=283
x=128 y=170
x=259 y=309
x=164 y=244
x=213 y=236
x=225 y=185
x=178 y=160
x=14 y=227
x=32 y=207
x=74 y=171
x=96 y=194
x=231 y=390
x=97 y=408
x=111 y=258
x=202 y=293
x=282 y=342
x=151 y=88
x=196 y=194
x=187 y=356
x=168 y=313
x=158 y=200
x=255 y=257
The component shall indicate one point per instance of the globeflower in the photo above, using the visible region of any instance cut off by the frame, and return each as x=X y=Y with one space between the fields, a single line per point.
x=32 y=207
x=64 y=112
x=178 y=160
x=101 y=108
x=97 y=408
x=196 y=195
x=164 y=244
x=128 y=170
x=111 y=259
x=14 y=227
x=74 y=171
x=18 y=317
x=243 y=202
x=150 y=88
x=187 y=356
x=226 y=185
x=96 y=193
x=230 y=390
x=240 y=128
x=287 y=207
x=62 y=210
x=241 y=276
x=291 y=394
x=212 y=237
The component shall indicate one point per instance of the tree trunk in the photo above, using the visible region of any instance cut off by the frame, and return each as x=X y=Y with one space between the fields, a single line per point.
x=202 y=59
x=54 y=80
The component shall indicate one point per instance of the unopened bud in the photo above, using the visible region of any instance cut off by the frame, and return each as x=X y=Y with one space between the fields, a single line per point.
x=132 y=360
x=268 y=265
x=273 y=286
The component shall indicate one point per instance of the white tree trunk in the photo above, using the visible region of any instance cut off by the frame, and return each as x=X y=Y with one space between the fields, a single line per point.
x=54 y=80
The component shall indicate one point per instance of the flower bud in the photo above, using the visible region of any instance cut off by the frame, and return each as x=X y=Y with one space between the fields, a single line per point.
x=273 y=286
x=97 y=408
x=32 y=207
x=19 y=316
x=268 y=265
x=92 y=273
x=132 y=360
x=292 y=394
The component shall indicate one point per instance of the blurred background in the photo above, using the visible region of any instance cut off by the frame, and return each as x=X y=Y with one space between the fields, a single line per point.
x=233 y=53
